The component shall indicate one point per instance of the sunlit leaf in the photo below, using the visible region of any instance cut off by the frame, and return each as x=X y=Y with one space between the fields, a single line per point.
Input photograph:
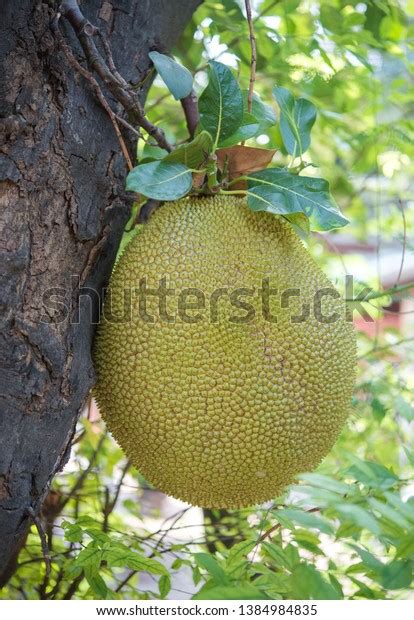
x=221 y=103
x=160 y=180
x=279 y=192
x=193 y=154
x=297 y=117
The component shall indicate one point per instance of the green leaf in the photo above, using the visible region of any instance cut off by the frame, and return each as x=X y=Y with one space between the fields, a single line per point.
x=300 y=223
x=193 y=154
x=221 y=103
x=177 y=78
x=87 y=521
x=248 y=129
x=403 y=508
x=263 y=112
x=274 y=584
x=95 y=581
x=142 y=563
x=160 y=180
x=308 y=584
x=297 y=117
x=368 y=559
x=326 y=482
x=164 y=585
x=90 y=556
x=277 y=554
x=206 y=561
x=363 y=591
x=151 y=152
x=277 y=191
x=73 y=533
x=306 y=519
x=359 y=516
x=405 y=548
x=243 y=591
x=97 y=535
x=371 y=474
x=397 y=574
x=389 y=513
x=120 y=555
x=239 y=551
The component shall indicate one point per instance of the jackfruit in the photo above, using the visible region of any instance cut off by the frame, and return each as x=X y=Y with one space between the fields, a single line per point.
x=222 y=389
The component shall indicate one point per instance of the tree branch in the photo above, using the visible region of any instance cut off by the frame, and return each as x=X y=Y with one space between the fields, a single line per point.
x=45 y=549
x=95 y=87
x=116 y=84
x=190 y=108
x=253 y=55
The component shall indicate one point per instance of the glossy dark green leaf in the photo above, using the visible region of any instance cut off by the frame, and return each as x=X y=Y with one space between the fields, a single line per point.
x=221 y=103
x=193 y=154
x=297 y=117
x=248 y=129
x=160 y=180
x=279 y=192
x=177 y=78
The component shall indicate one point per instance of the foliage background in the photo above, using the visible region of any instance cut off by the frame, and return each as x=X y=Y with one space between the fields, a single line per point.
x=346 y=530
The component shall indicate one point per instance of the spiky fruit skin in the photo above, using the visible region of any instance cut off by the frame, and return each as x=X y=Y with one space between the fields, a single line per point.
x=216 y=412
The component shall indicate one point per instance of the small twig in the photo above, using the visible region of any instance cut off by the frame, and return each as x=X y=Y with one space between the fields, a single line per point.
x=159 y=542
x=85 y=473
x=275 y=527
x=147 y=210
x=125 y=123
x=189 y=105
x=73 y=587
x=116 y=85
x=110 y=58
x=253 y=54
x=75 y=64
x=111 y=503
x=43 y=541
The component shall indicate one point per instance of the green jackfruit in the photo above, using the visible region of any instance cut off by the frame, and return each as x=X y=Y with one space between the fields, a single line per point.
x=234 y=372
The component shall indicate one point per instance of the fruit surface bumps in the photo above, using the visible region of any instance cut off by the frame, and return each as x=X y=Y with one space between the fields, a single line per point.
x=218 y=411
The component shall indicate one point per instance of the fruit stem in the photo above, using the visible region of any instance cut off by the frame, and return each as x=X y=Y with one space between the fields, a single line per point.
x=232 y=192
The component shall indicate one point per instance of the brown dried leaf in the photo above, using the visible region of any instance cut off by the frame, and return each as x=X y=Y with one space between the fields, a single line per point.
x=198 y=179
x=243 y=159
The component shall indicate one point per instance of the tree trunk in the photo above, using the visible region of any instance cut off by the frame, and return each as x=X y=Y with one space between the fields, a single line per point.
x=62 y=216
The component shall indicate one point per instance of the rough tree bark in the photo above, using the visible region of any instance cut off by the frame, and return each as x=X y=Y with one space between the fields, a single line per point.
x=62 y=214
